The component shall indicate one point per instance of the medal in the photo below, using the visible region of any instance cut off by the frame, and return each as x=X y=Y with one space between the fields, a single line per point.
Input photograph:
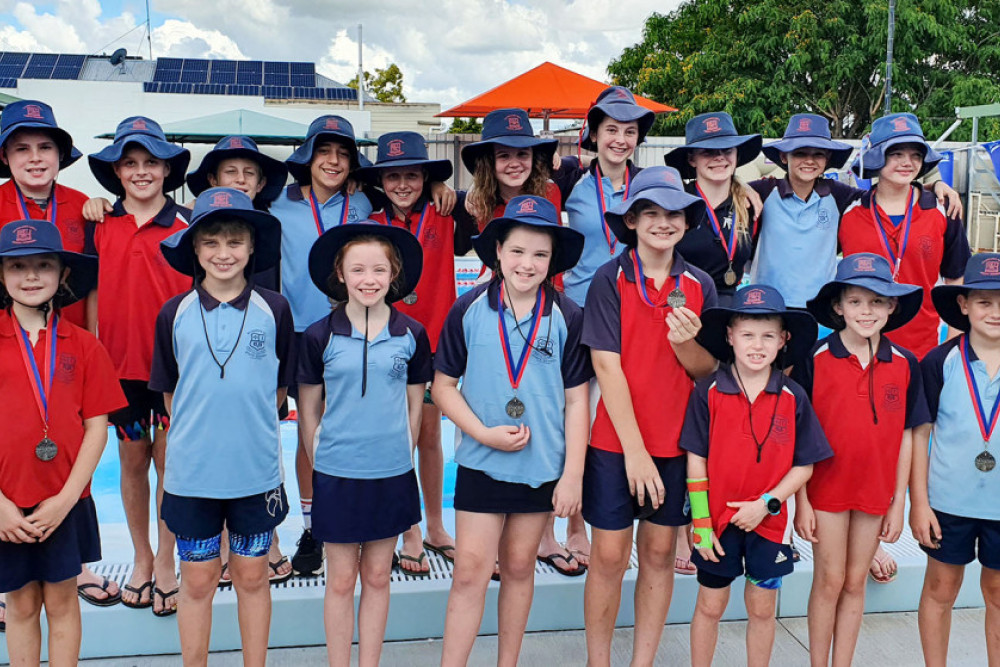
x=410 y=298
x=318 y=217
x=676 y=298
x=602 y=207
x=883 y=238
x=515 y=371
x=46 y=450
x=730 y=246
x=984 y=460
x=515 y=408
x=41 y=387
x=730 y=276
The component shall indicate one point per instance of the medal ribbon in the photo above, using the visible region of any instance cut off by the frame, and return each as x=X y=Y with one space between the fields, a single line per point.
x=420 y=223
x=42 y=390
x=23 y=205
x=640 y=281
x=318 y=218
x=602 y=206
x=986 y=431
x=884 y=238
x=516 y=372
x=730 y=246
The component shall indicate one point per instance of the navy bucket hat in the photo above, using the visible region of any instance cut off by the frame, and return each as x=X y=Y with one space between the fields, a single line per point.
x=324 y=253
x=712 y=131
x=224 y=204
x=981 y=273
x=806 y=130
x=756 y=300
x=662 y=186
x=21 y=238
x=324 y=128
x=35 y=115
x=404 y=149
x=892 y=130
x=537 y=213
x=872 y=272
x=619 y=103
x=146 y=133
x=239 y=146
x=510 y=128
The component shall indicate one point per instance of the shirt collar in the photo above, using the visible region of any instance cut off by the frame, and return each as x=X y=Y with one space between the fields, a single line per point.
x=632 y=169
x=7 y=325
x=821 y=187
x=295 y=193
x=340 y=323
x=418 y=207
x=677 y=267
x=838 y=350
x=493 y=296
x=926 y=199
x=165 y=218
x=725 y=381
x=209 y=302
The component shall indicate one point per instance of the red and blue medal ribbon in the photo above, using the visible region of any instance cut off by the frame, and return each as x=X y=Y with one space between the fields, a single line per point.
x=516 y=371
x=640 y=281
x=730 y=245
x=420 y=223
x=602 y=206
x=40 y=387
x=318 y=217
x=986 y=426
x=894 y=260
x=23 y=205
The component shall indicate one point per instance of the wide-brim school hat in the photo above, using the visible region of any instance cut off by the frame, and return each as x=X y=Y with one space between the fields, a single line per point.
x=756 y=300
x=981 y=273
x=537 y=213
x=35 y=115
x=889 y=131
x=146 y=133
x=324 y=128
x=662 y=186
x=510 y=128
x=274 y=171
x=21 y=238
x=806 y=130
x=324 y=253
x=872 y=272
x=619 y=103
x=224 y=204
x=404 y=149
x=713 y=131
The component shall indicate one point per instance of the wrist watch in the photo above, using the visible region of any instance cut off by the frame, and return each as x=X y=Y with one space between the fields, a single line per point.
x=773 y=504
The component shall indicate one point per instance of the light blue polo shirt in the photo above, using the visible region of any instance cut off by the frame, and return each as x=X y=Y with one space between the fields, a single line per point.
x=470 y=348
x=364 y=437
x=223 y=440
x=298 y=233
x=955 y=485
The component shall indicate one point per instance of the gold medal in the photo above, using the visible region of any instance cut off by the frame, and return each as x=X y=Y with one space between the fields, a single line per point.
x=730 y=276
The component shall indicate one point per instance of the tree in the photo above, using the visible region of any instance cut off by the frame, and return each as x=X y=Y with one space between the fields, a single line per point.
x=763 y=60
x=386 y=85
x=465 y=126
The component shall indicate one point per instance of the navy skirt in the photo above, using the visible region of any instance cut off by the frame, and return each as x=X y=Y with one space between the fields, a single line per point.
x=475 y=491
x=353 y=511
x=76 y=541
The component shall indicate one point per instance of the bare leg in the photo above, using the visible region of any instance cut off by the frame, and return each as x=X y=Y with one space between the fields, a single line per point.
x=654 y=586
x=829 y=573
x=760 y=603
x=861 y=544
x=576 y=538
x=373 y=610
x=194 y=612
x=989 y=582
x=518 y=545
x=164 y=565
x=941 y=584
x=682 y=560
x=253 y=604
x=135 y=456
x=338 y=604
x=430 y=464
x=708 y=612
x=24 y=630
x=602 y=592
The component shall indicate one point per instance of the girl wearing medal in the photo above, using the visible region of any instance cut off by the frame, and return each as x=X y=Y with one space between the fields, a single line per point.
x=59 y=385
x=523 y=422
x=721 y=244
x=954 y=483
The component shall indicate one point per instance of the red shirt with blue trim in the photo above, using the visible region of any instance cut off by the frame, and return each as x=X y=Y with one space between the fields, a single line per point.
x=616 y=319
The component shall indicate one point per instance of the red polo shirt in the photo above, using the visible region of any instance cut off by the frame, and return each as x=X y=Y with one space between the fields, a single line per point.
x=937 y=246
x=862 y=474
x=134 y=281
x=616 y=319
x=84 y=386
x=436 y=290
x=717 y=427
x=69 y=220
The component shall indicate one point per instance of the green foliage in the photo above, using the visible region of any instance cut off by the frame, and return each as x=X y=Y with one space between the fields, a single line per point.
x=465 y=126
x=385 y=85
x=764 y=60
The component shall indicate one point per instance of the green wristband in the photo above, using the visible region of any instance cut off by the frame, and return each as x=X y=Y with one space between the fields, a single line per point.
x=702 y=538
x=698 y=497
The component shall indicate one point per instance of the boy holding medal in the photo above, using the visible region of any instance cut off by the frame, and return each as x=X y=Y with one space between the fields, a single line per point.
x=954 y=484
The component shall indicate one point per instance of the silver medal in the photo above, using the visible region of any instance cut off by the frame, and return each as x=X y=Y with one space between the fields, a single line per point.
x=410 y=298
x=985 y=461
x=46 y=450
x=515 y=408
x=676 y=298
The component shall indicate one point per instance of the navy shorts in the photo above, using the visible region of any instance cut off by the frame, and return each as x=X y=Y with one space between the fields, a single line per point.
x=963 y=539
x=76 y=541
x=608 y=505
x=355 y=511
x=475 y=491
x=144 y=414
x=764 y=562
x=204 y=518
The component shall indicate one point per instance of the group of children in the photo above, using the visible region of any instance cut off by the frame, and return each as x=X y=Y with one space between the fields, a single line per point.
x=605 y=371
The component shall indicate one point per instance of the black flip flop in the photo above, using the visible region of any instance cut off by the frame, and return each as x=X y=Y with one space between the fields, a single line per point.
x=400 y=556
x=109 y=601
x=445 y=551
x=276 y=578
x=553 y=558
x=138 y=593
x=163 y=597
x=224 y=583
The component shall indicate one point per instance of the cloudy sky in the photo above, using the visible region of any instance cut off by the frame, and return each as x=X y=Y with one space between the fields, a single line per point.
x=449 y=50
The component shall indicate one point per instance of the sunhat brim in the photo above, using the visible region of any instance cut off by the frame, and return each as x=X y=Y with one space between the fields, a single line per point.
x=945 y=301
x=840 y=152
x=748 y=147
x=298 y=162
x=68 y=152
x=178 y=248
x=874 y=157
x=623 y=113
x=568 y=242
x=471 y=152
x=324 y=252
x=909 y=299
x=437 y=170
x=714 y=321
x=82 y=270
x=667 y=199
x=274 y=171
x=102 y=162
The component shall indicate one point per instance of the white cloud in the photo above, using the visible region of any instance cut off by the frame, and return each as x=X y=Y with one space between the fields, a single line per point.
x=181 y=39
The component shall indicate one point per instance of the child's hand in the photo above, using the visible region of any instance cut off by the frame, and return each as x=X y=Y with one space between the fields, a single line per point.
x=351 y=186
x=644 y=479
x=749 y=514
x=755 y=201
x=507 y=438
x=892 y=523
x=567 y=498
x=949 y=199
x=714 y=552
x=684 y=325
x=94 y=209
x=14 y=527
x=50 y=514
x=805 y=521
x=444 y=198
x=925 y=526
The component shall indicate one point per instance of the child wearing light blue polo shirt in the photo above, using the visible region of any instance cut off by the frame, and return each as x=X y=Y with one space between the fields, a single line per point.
x=223 y=351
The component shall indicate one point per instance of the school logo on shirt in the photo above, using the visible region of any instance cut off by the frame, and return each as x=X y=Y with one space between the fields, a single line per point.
x=396 y=148
x=926 y=245
x=33 y=111
x=398 y=371
x=256 y=344
x=544 y=351
x=352 y=215
x=514 y=123
x=864 y=264
x=900 y=125
x=24 y=234
x=431 y=238
x=991 y=267
x=805 y=125
x=712 y=124
x=780 y=432
x=892 y=399
x=65 y=368
x=823 y=219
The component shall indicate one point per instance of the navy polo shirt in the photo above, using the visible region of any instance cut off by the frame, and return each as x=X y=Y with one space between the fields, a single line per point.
x=470 y=348
x=364 y=437
x=223 y=440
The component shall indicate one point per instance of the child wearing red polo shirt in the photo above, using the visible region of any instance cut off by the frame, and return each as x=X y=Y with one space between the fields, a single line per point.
x=855 y=499
x=58 y=386
x=134 y=282
x=751 y=438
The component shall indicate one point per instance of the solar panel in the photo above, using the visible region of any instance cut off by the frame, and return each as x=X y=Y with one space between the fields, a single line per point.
x=38 y=72
x=308 y=80
x=303 y=68
x=195 y=65
x=169 y=63
x=222 y=77
x=223 y=66
x=249 y=66
x=277 y=67
x=194 y=76
x=11 y=71
x=67 y=73
x=71 y=61
x=15 y=59
x=8 y=82
x=44 y=60
x=276 y=79
x=167 y=75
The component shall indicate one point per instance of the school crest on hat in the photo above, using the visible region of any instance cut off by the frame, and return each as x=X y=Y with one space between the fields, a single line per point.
x=33 y=111
x=35 y=115
x=24 y=234
x=982 y=272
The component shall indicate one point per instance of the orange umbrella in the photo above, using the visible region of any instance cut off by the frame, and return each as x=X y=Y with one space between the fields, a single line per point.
x=547 y=91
